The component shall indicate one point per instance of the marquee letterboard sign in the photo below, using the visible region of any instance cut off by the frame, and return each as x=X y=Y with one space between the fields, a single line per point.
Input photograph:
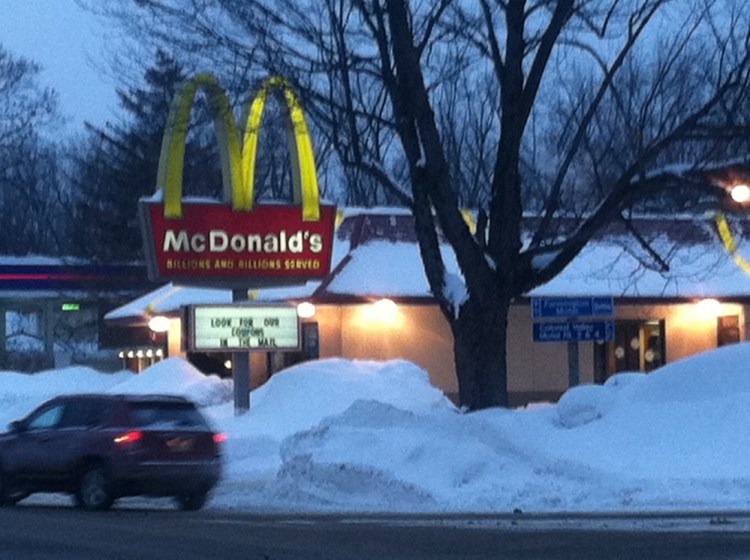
x=228 y=328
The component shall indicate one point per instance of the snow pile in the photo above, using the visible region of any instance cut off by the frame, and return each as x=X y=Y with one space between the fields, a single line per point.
x=300 y=397
x=659 y=441
x=175 y=376
x=376 y=436
x=20 y=392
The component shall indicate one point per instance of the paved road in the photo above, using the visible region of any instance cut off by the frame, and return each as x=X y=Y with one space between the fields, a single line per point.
x=63 y=533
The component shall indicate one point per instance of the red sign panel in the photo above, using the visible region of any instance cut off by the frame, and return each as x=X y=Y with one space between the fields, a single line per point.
x=212 y=242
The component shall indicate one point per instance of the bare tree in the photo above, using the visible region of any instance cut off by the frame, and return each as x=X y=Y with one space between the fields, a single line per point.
x=30 y=195
x=581 y=107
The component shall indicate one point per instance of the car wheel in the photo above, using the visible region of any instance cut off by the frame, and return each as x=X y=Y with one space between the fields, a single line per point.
x=94 y=489
x=192 y=501
x=8 y=495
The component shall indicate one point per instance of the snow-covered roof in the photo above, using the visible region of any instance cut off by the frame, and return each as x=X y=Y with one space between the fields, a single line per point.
x=169 y=299
x=384 y=269
x=607 y=268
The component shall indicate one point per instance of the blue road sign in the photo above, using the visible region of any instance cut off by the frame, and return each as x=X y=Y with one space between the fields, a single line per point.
x=574 y=331
x=572 y=307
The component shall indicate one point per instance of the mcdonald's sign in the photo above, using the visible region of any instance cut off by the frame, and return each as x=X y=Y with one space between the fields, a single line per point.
x=235 y=241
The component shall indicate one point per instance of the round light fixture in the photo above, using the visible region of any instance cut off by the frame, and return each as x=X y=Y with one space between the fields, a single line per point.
x=709 y=307
x=305 y=310
x=385 y=310
x=159 y=323
x=740 y=193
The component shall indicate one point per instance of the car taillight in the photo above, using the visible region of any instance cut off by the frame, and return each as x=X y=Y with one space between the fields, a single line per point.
x=128 y=437
x=220 y=437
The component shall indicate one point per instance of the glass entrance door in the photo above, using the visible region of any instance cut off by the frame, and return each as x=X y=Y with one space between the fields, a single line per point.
x=638 y=346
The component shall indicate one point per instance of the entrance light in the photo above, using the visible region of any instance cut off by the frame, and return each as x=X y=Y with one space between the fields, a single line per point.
x=384 y=311
x=305 y=310
x=159 y=323
x=740 y=193
x=709 y=307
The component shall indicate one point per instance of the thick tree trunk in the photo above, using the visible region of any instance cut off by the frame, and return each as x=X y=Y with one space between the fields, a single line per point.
x=480 y=335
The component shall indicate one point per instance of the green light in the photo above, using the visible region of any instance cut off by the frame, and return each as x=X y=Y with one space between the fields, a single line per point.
x=71 y=307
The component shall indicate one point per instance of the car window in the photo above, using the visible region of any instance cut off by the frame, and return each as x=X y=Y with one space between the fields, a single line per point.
x=83 y=414
x=167 y=416
x=45 y=419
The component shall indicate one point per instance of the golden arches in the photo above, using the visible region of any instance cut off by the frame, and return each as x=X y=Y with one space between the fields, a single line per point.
x=725 y=233
x=237 y=159
x=171 y=158
x=304 y=177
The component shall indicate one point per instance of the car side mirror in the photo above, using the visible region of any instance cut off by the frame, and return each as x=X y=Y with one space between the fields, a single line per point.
x=17 y=426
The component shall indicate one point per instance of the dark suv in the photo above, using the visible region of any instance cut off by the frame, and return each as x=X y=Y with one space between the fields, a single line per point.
x=102 y=447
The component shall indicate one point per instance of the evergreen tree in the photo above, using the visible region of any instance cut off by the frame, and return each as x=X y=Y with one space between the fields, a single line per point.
x=119 y=163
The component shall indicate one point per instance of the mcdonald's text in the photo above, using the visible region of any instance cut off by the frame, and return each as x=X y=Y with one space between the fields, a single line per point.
x=218 y=241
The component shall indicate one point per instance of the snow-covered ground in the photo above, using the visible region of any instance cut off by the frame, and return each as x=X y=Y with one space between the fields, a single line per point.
x=340 y=435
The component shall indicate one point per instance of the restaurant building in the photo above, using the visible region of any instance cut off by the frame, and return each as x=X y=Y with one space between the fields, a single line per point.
x=674 y=291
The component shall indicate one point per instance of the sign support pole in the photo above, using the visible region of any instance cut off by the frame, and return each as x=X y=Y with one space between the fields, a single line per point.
x=241 y=368
x=574 y=372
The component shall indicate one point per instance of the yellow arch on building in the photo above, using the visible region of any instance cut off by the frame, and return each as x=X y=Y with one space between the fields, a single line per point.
x=304 y=175
x=171 y=158
x=727 y=237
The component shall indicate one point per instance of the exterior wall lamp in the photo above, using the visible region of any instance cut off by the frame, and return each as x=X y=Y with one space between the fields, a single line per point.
x=159 y=323
x=709 y=307
x=384 y=311
x=740 y=193
x=305 y=310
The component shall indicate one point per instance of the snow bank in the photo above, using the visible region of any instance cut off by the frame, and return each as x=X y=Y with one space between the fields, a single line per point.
x=175 y=376
x=20 y=392
x=338 y=435
x=663 y=440
x=300 y=397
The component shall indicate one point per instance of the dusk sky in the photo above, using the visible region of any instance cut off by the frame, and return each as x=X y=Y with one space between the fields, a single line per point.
x=68 y=43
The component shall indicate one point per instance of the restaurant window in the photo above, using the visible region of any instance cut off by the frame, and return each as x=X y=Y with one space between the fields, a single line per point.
x=727 y=330
x=24 y=330
x=638 y=346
